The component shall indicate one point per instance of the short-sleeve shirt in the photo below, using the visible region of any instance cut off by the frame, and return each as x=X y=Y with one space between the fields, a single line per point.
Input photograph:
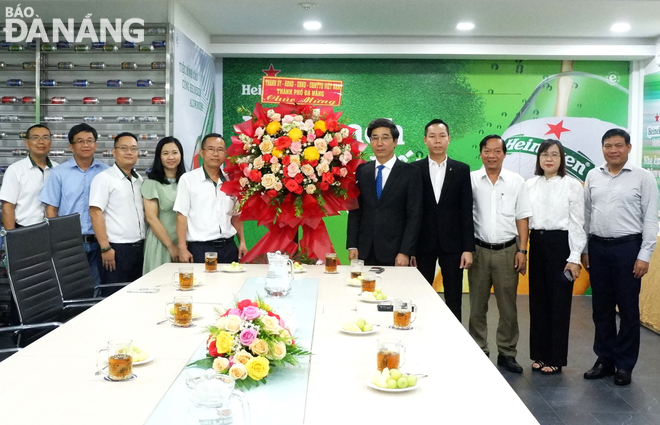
x=498 y=206
x=208 y=209
x=21 y=186
x=67 y=189
x=119 y=196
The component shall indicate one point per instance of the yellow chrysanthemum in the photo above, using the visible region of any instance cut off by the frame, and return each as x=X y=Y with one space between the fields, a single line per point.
x=320 y=125
x=273 y=127
x=295 y=134
x=277 y=153
x=311 y=153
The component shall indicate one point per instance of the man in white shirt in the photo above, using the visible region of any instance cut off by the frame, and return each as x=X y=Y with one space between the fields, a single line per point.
x=621 y=219
x=501 y=212
x=117 y=213
x=24 y=179
x=207 y=219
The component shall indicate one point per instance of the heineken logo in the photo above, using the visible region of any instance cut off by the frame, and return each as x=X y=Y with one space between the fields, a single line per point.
x=577 y=163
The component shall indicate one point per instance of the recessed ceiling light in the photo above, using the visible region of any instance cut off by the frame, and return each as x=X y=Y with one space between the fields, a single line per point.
x=620 y=27
x=312 y=25
x=465 y=26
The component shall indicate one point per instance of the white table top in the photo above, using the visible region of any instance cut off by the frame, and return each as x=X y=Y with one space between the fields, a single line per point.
x=52 y=381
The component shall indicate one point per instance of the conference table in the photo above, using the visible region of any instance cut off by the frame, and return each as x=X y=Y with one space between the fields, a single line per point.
x=53 y=380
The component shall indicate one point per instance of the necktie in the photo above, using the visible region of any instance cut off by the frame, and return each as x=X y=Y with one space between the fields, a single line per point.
x=379 y=181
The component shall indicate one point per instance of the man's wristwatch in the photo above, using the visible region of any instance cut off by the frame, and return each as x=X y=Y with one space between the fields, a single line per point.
x=106 y=249
x=522 y=251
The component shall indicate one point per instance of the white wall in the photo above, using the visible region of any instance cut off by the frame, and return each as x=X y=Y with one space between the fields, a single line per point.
x=185 y=23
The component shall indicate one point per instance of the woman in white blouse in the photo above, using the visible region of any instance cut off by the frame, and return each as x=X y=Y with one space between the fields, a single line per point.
x=557 y=239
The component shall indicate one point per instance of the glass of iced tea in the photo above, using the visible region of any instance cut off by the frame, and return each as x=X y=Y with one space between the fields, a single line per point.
x=390 y=354
x=186 y=278
x=405 y=312
x=210 y=262
x=356 y=268
x=369 y=282
x=180 y=311
x=331 y=263
x=119 y=362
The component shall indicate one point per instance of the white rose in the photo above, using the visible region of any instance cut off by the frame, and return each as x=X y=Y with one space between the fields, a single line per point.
x=310 y=188
x=266 y=138
x=244 y=181
x=238 y=371
x=275 y=167
x=323 y=167
x=266 y=146
x=258 y=163
x=259 y=347
x=307 y=170
x=321 y=145
x=220 y=364
x=278 y=186
x=295 y=159
x=336 y=150
x=279 y=350
x=270 y=324
x=344 y=132
x=233 y=323
x=269 y=113
x=242 y=356
x=328 y=137
x=268 y=181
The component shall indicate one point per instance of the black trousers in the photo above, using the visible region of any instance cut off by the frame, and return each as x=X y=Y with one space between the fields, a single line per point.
x=613 y=284
x=226 y=249
x=550 y=297
x=452 y=276
x=128 y=261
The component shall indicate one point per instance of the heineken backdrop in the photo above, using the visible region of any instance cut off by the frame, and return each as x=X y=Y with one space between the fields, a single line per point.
x=525 y=101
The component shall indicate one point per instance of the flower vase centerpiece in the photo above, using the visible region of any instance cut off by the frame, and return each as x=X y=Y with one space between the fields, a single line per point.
x=291 y=166
x=247 y=342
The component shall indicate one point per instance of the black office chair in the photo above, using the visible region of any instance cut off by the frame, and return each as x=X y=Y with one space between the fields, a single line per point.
x=33 y=284
x=70 y=261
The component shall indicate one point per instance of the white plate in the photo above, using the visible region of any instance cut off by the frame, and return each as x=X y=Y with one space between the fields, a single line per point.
x=145 y=361
x=373 y=331
x=351 y=282
x=303 y=270
x=233 y=271
x=372 y=301
x=391 y=390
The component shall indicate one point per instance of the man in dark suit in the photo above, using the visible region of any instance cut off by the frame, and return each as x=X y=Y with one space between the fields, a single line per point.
x=447 y=232
x=383 y=230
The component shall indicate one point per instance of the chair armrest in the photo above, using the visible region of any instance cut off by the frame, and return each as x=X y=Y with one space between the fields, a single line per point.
x=111 y=285
x=28 y=327
x=89 y=301
x=68 y=306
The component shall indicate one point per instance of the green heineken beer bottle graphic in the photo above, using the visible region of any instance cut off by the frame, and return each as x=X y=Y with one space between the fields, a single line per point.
x=576 y=108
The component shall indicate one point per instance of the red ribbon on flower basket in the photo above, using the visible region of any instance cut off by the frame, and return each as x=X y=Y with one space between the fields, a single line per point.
x=290 y=167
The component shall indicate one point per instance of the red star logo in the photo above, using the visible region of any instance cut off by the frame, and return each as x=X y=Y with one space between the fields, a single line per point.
x=657 y=117
x=556 y=129
x=271 y=72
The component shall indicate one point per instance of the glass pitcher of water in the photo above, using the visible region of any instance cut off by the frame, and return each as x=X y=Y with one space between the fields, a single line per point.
x=280 y=274
x=210 y=396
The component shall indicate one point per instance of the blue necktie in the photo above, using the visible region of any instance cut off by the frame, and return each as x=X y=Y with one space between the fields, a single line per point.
x=379 y=181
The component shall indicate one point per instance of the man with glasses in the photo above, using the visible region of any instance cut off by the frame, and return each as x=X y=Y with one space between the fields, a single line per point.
x=207 y=218
x=24 y=179
x=67 y=189
x=117 y=212
x=383 y=230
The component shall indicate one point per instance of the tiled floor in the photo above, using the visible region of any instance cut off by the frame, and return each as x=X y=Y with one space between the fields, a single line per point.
x=568 y=398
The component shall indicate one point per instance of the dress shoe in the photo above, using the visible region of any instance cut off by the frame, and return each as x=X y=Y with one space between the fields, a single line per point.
x=622 y=377
x=598 y=371
x=509 y=363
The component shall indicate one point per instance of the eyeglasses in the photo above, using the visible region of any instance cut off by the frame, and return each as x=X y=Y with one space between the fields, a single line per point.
x=37 y=138
x=125 y=149
x=214 y=151
x=84 y=142
x=553 y=155
x=381 y=138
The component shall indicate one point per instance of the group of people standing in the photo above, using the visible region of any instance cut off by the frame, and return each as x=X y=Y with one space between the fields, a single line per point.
x=129 y=225
x=431 y=211
x=436 y=210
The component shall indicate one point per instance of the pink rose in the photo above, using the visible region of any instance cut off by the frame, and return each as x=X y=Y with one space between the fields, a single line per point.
x=234 y=312
x=274 y=160
x=336 y=150
x=292 y=169
x=276 y=117
x=288 y=119
x=298 y=118
x=296 y=148
x=250 y=313
x=328 y=156
x=259 y=132
x=247 y=336
x=343 y=172
x=311 y=136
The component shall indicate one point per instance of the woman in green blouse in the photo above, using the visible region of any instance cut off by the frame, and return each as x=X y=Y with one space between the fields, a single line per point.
x=159 y=193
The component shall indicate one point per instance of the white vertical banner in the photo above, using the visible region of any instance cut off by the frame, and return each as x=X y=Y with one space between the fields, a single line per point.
x=193 y=96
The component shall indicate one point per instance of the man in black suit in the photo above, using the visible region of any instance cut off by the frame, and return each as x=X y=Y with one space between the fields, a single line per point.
x=447 y=232
x=383 y=230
